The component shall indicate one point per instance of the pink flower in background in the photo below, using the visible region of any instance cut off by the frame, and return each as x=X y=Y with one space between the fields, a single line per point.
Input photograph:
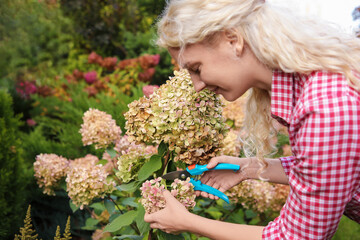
x=26 y=88
x=156 y=59
x=90 y=77
x=30 y=122
x=149 y=89
x=94 y=58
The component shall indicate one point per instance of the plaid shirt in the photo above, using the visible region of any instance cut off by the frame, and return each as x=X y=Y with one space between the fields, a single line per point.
x=322 y=114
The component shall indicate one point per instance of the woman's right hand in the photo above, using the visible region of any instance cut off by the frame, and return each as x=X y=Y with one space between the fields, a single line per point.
x=223 y=180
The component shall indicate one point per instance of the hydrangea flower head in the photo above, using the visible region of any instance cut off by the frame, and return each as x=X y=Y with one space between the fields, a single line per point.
x=190 y=122
x=130 y=163
x=49 y=170
x=99 y=128
x=153 y=199
x=259 y=196
x=184 y=192
x=86 y=181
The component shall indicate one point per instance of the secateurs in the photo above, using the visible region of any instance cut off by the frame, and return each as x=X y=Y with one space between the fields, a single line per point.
x=194 y=170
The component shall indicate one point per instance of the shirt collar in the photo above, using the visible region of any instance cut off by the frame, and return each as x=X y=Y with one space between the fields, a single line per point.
x=282 y=96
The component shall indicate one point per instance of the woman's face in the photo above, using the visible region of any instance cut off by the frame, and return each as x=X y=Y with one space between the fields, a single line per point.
x=225 y=67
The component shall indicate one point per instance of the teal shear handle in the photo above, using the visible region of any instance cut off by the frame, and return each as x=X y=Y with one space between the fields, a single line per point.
x=199 y=169
x=199 y=186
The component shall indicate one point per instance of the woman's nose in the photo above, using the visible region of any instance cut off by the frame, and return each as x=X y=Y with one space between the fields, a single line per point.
x=198 y=85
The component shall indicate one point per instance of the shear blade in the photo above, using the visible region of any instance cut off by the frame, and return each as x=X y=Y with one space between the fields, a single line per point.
x=182 y=175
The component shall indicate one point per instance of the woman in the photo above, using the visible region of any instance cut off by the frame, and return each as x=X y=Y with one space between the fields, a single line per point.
x=300 y=72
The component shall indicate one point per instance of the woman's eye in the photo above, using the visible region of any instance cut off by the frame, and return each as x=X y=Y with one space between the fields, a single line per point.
x=196 y=70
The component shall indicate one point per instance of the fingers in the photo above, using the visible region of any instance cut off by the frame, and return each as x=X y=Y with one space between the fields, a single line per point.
x=213 y=162
x=149 y=217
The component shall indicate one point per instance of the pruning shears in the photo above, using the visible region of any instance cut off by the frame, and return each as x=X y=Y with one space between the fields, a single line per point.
x=195 y=170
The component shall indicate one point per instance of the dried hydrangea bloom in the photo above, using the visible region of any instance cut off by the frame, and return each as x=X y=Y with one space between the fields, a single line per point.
x=123 y=147
x=49 y=170
x=234 y=111
x=86 y=181
x=153 y=199
x=259 y=196
x=130 y=163
x=184 y=192
x=190 y=122
x=99 y=128
x=232 y=144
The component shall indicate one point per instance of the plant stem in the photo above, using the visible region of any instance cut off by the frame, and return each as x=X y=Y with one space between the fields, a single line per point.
x=133 y=226
x=116 y=205
x=166 y=160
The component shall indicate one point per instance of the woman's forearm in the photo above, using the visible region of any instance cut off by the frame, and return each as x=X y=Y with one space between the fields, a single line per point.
x=273 y=173
x=221 y=230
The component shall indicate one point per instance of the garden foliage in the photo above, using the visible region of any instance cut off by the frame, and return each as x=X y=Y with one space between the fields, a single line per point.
x=13 y=175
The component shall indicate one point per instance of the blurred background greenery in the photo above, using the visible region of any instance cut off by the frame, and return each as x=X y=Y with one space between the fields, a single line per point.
x=58 y=59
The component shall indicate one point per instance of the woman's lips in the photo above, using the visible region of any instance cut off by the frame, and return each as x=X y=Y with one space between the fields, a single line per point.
x=215 y=90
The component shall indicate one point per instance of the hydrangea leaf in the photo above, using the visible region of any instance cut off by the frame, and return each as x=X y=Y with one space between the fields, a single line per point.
x=128 y=187
x=141 y=224
x=150 y=167
x=121 y=221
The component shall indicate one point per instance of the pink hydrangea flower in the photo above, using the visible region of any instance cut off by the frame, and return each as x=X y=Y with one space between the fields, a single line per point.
x=149 y=89
x=86 y=181
x=49 y=170
x=90 y=77
x=99 y=128
x=153 y=199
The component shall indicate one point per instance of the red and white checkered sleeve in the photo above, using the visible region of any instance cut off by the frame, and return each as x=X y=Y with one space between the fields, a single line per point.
x=323 y=177
x=286 y=163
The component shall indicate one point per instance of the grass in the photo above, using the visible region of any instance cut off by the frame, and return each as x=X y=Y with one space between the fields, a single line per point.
x=348 y=230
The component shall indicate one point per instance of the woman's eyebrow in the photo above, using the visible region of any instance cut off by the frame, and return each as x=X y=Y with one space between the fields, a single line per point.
x=188 y=65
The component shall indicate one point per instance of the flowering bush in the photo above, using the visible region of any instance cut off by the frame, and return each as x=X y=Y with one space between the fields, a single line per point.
x=259 y=196
x=153 y=200
x=190 y=122
x=49 y=170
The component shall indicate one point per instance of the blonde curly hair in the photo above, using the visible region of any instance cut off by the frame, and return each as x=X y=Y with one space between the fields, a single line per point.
x=278 y=38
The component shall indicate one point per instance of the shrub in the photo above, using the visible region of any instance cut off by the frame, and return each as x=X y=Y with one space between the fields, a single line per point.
x=32 y=33
x=13 y=178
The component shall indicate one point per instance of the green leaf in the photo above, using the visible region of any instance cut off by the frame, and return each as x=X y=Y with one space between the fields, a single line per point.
x=111 y=152
x=90 y=224
x=129 y=202
x=121 y=221
x=166 y=236
x=162 y=148
x=128 y=187
x=73 y=207
x=150 y=167
x=136 y=237
x=102 y=162
x=141 y=224
x=250 y=214
x=214 y=212
x=110 y=206
x=180 y=164
x=99 y=206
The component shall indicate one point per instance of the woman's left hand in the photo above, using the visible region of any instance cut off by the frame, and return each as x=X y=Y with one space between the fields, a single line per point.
x=172 y=218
